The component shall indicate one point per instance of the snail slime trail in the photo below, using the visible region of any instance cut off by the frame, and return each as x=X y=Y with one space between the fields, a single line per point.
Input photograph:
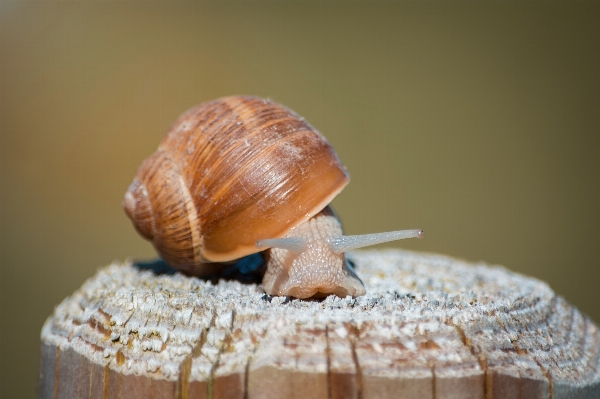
x=222 y=185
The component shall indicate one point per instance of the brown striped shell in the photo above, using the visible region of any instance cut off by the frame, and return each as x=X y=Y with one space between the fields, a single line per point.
x=228 y=173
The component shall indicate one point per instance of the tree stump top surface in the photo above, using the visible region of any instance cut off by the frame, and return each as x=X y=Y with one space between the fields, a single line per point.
x=430 y=326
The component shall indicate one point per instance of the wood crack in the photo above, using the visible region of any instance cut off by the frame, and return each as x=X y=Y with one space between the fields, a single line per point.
x=57 y=358
x=246 y=375
x=106 y=380
x=354 y=337
x=223 y=346
x=480 y=357
x=545 y=372
x=183 y=383
x=328 y=357
x=548 y=377
x=433 y=382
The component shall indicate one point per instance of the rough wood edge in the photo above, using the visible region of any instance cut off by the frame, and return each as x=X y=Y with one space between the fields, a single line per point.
x=328 y=355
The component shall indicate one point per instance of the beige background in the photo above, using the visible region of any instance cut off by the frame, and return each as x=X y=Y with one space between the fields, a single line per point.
x=476 y=122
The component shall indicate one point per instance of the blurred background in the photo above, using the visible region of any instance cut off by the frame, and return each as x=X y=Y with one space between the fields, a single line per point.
x=478 y=122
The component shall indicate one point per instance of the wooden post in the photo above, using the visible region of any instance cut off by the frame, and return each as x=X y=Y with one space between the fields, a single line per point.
x=429 y=327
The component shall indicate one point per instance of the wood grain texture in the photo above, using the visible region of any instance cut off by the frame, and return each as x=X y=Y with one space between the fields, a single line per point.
x=429 y=327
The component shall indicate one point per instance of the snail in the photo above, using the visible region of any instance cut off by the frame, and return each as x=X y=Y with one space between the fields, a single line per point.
x=240 y=175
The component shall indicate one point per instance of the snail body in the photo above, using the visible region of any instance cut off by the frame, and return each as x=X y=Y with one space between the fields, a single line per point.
x=314 y=268
x=239 y=175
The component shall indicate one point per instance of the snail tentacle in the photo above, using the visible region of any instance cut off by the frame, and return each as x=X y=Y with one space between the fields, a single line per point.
x=340 y=244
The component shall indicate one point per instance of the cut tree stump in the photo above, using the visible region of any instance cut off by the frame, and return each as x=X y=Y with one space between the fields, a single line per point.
x=429 y=327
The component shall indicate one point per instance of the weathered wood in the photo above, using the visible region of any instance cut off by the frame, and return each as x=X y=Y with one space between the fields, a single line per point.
x=429 y=327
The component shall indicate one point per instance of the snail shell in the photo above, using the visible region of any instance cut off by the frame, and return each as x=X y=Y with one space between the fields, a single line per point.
x=228 y=173
x=238 y=175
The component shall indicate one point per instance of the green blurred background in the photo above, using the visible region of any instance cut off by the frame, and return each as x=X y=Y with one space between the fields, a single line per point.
x=478 y=122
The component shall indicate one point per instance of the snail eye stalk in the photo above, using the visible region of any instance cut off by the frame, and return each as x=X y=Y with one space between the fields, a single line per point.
x=341 y=244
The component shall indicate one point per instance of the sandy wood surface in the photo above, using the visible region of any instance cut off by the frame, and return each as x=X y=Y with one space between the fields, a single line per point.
x=430 y=326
